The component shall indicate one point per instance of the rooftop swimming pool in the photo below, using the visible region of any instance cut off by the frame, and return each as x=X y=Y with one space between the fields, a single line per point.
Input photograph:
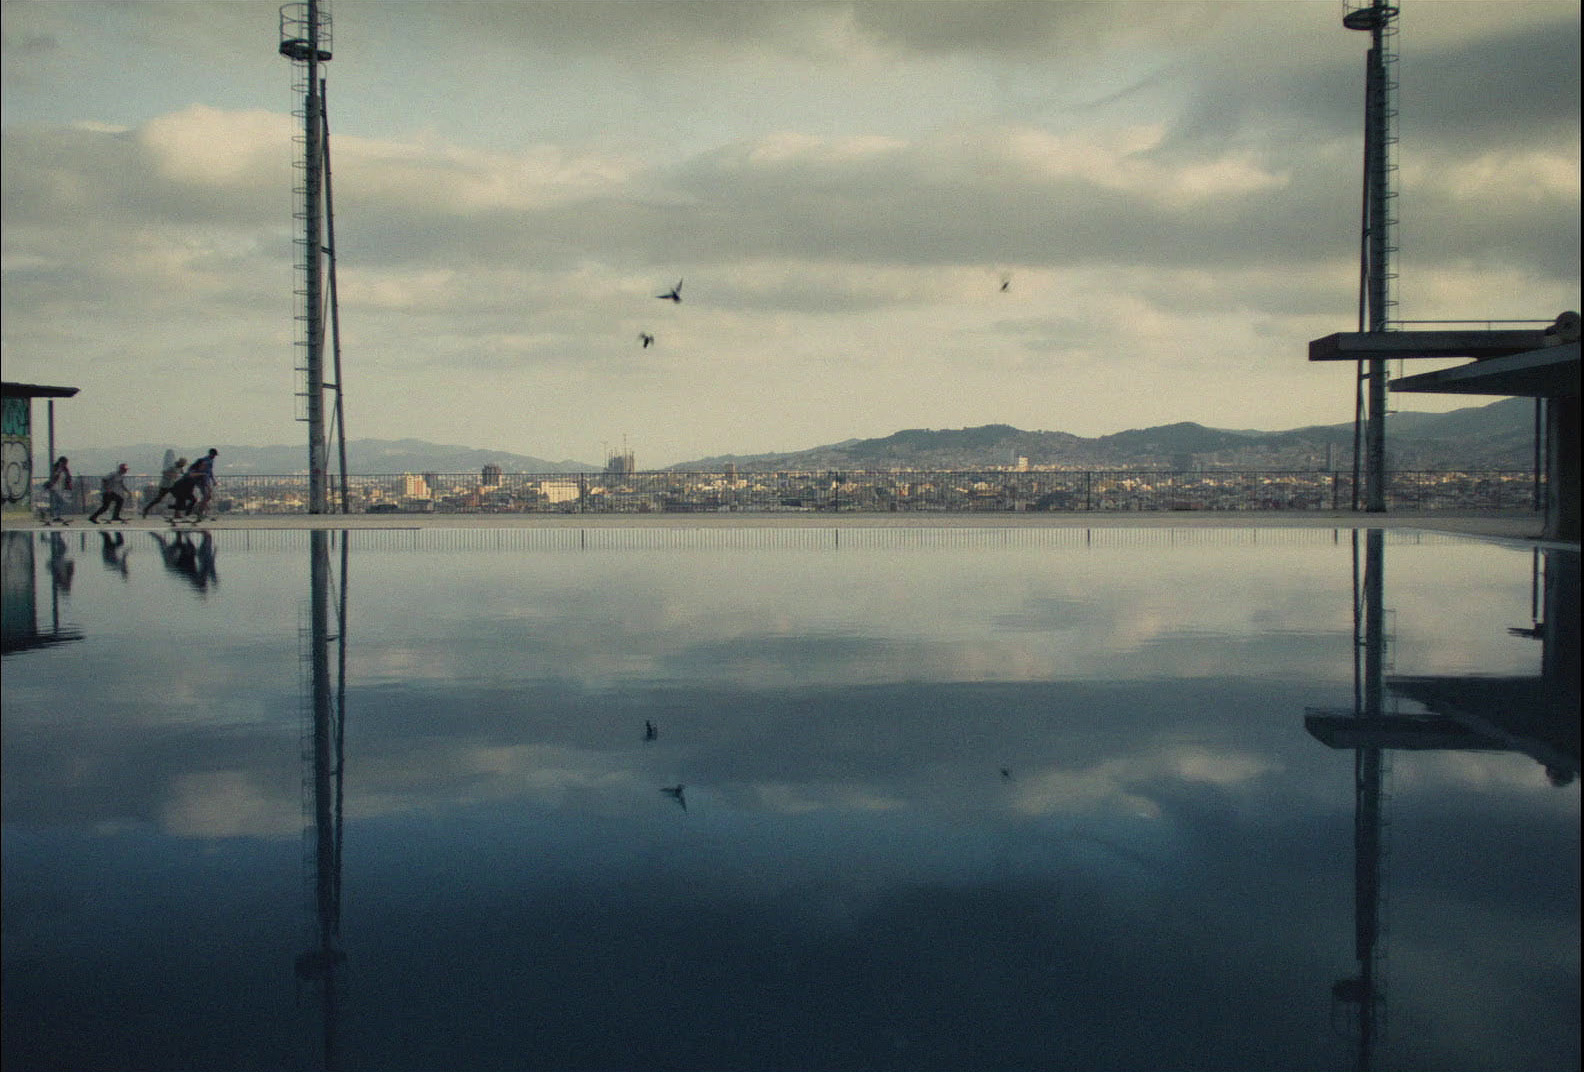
x=802 y=799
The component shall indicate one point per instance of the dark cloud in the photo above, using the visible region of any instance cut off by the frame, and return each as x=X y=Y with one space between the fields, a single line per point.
x=1514 y=88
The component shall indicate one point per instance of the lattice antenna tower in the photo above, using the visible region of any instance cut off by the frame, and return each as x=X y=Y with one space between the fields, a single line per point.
x=1379 y=20
x=305 y=31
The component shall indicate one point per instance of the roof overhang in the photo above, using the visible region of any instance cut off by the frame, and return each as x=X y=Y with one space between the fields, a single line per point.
x=1365 y=345
x=35 y=390
x=1552 y=372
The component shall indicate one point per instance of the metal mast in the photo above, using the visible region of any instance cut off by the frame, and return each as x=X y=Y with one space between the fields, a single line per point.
x=305 y=40
x=1378 y=19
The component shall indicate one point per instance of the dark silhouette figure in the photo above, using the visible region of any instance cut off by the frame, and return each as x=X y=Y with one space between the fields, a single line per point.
x=646 y=338
x=183 y=494
x=1006 y=285
x=675 y=793
x=673 y=295
x=651 y=732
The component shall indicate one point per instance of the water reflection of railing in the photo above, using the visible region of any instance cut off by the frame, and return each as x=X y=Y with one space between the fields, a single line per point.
x=949 y=491
x=890 y=539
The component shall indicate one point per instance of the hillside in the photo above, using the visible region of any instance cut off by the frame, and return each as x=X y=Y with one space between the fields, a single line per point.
x=1496 y=436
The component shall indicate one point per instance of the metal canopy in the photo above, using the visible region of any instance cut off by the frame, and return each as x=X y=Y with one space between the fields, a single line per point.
x=1363 y=345
x=35 y=390
x=1549 y=373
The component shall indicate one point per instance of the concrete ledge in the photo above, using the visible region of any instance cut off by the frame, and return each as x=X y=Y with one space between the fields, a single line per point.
x=1524 y=525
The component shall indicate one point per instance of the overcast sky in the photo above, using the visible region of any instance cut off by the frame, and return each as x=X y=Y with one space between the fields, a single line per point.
x=1171 y=191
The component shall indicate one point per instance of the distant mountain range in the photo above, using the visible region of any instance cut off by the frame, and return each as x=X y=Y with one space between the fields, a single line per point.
x=1495 y=436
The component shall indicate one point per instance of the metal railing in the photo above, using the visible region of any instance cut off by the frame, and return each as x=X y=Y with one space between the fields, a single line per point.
x=955 y=491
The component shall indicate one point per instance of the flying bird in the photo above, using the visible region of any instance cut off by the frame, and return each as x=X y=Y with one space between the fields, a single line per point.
x=1006 y=283
x=651 y=732
x=675 y=793
x=646 y=338
x=672 y=295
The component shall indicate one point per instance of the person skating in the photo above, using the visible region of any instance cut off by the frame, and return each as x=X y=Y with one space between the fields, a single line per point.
x=168 y=477
x=58 y=485
x=113 y=493
x=202 y=471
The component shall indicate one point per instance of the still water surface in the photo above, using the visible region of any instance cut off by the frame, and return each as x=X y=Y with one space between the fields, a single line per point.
x=790 y=799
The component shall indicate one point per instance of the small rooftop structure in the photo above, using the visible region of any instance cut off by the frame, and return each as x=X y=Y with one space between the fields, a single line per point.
x=17 y=446
x=1531 y=363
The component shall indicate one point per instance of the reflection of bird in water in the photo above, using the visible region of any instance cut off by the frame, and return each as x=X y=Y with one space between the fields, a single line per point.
x=646 y=338
x=650 y=731
x=672 y=295
x=675 y=793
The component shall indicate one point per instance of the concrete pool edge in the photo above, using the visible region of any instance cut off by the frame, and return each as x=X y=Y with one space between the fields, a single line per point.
x=1515 y=526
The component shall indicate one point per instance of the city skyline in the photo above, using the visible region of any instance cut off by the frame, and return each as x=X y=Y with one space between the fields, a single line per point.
x=1087 y=217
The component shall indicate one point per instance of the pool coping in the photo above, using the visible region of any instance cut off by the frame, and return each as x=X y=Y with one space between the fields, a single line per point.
x=1524 y=525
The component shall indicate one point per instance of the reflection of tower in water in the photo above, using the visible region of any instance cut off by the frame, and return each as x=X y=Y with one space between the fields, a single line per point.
x=1366 y=992
x=323 y=740
x=1536 y=716
x=1359 y=1001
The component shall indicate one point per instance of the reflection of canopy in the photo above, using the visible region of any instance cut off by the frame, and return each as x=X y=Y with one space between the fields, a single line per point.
x=1478 y=714
x=1526 y=714
x=11 y=643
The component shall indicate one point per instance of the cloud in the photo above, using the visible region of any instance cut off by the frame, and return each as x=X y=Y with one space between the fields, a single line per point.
x=843 y=186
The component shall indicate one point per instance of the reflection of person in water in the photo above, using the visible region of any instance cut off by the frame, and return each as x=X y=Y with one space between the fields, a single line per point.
x=194 y=562
x=113 y=550
x=61 y=566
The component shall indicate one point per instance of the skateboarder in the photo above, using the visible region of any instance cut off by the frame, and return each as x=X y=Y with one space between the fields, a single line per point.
x=202 y=471
x=168 y=477
x=112 y=494
x=58 y=485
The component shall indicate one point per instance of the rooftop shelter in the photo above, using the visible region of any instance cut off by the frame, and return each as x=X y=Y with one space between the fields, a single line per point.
x=17 y=399
x=1534 y=363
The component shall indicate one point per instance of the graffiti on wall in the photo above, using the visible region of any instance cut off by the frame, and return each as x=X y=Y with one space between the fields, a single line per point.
x=16 y=447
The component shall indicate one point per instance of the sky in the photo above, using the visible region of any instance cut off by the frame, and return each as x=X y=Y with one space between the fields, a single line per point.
x=1170 y=192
